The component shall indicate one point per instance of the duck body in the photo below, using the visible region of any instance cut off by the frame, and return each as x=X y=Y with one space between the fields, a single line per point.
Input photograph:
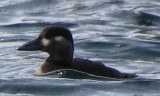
x=83 y=65
x=58 y=43
x=95 y=68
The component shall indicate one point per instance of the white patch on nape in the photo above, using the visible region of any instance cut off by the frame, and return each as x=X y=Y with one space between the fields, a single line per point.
x=58 y=38
x=45 y=42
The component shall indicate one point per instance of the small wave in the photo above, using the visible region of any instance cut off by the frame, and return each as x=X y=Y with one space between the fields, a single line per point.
x=47 y=85
x=74 y=74
x=14 y=38
x=64 y=24
x=138 y=17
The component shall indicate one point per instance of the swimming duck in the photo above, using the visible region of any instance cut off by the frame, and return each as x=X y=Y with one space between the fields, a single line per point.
x=58 y=43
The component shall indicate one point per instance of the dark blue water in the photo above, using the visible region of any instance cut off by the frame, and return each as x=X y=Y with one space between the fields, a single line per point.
x=123 y=34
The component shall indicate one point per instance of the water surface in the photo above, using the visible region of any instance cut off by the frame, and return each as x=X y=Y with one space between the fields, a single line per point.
x=123 y=34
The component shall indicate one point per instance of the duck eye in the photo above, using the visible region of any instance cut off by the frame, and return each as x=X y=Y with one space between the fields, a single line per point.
x=45 y=41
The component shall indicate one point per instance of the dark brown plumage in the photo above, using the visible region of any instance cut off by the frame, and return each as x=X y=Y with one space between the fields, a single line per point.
x=58 y=43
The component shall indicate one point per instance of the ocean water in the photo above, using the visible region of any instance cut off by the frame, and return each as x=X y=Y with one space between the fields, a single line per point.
x=123 y=34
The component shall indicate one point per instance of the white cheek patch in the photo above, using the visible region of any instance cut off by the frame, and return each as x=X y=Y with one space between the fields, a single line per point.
x=45 y=42
x=59 y=38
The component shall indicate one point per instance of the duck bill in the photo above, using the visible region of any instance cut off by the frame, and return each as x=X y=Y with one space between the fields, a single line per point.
x=31 y=46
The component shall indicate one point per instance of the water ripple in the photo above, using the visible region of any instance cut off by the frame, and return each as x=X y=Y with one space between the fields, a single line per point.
x=122 y=34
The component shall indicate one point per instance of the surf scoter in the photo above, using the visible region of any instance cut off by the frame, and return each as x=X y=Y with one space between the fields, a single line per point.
x=58 y=43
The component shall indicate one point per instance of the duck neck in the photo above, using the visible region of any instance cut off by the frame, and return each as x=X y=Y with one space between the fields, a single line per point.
x=62 y=54
x=60 y=62
x=50 y=64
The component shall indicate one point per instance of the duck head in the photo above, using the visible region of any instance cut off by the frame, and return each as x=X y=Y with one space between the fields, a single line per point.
x=56 y=41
